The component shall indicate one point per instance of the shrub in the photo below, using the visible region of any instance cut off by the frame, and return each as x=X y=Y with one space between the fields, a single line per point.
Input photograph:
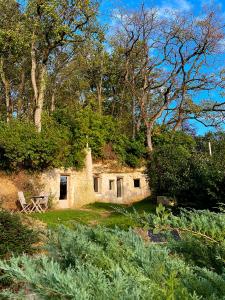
x=101 y=132
x=202 y=241
x=16 y=238
x=99 y=263
x=168 y=170
x=21 y=147
x=193 y=177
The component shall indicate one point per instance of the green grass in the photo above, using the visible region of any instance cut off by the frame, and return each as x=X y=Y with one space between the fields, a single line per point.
x=144 y=205
x=95 y=214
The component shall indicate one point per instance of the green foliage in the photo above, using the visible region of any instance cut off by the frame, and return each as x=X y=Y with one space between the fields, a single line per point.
x=162 y=137
x=87 y=127
x=202 y=234
x=99 y=131
x=13 y=38
x=168 y=170
x=179 y=170
x=130 y=151
x=97 y=263
x=62 y=141
x=22 y=147
x=16 y=238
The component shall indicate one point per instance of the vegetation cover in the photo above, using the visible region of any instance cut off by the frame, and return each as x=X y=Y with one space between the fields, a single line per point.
x=16 y=238
x=180 y=167
x=131 y=93
x=100 y=263
x=65 y=76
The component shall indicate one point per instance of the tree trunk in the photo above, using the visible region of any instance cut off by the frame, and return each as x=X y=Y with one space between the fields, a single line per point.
x=40 y=99
x=99 y=96
x=39 y=90
x=53 y=101
x=33 y=71
x=177 y=125
x=133 y=119
x=149 y=137
x=20 y=103
x=6 y=84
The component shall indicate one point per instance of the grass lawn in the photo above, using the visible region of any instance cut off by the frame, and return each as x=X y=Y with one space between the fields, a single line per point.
x=95 y=214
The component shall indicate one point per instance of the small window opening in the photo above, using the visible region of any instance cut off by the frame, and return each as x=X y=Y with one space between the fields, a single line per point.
x=63 y=187
x=111 y=185
x=96 y=184
x=137 y=183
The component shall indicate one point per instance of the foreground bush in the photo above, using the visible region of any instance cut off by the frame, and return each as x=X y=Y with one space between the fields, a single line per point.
x=99 y=263
x=15 y=237
x=202 y=234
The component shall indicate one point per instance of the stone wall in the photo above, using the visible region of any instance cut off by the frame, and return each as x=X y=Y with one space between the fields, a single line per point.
x=108 y=191
x=80 y=189
x=80 y=184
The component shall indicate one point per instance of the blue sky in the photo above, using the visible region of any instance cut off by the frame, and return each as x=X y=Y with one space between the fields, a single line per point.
x=180 y=5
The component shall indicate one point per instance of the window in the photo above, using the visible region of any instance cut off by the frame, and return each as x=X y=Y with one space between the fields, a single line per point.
x=119 y=184
x=96 y=184
x=63 y=187
x=111 y=185
x=137 y=183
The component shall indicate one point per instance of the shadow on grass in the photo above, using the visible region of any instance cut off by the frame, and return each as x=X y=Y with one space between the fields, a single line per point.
x=144 y=205
x=104 y=214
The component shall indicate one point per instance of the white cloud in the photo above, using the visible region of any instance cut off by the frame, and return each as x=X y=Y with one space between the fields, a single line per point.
x=184 y=5
x=173 y=7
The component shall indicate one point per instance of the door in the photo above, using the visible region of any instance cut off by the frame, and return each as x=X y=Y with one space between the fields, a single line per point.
x=119 y=187
x=64 y=192
x=63 y=187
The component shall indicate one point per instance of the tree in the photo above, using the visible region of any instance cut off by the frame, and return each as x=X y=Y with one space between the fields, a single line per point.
x=180 y=167
x=55 y=24
x=12 y=48
x=165 y=61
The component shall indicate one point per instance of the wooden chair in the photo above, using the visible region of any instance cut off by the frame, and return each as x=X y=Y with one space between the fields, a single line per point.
x=24 y=205
x=43 y=202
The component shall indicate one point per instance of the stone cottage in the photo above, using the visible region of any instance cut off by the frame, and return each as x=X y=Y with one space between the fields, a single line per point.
x=96 y=182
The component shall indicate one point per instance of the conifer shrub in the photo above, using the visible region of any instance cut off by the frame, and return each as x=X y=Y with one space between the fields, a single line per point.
x=99 y=263
x=202 y=234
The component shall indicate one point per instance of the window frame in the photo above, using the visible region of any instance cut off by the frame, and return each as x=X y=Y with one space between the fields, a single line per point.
x=111 y=184
x=60 y=186
x=137 y=186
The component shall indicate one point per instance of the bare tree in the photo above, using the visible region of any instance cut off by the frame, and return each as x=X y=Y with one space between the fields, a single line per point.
x=166 y=63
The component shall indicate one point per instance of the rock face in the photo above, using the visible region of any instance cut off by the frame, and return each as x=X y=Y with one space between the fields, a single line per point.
x=11 y=184
x=105 y=181
x=119 y=184
x=8 y=192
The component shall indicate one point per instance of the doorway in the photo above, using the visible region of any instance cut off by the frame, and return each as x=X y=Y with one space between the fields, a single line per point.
x=63 y=187
x=119 y=184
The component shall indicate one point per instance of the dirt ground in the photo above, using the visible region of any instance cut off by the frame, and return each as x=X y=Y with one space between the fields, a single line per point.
x=8 y=193
x=11 y=184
